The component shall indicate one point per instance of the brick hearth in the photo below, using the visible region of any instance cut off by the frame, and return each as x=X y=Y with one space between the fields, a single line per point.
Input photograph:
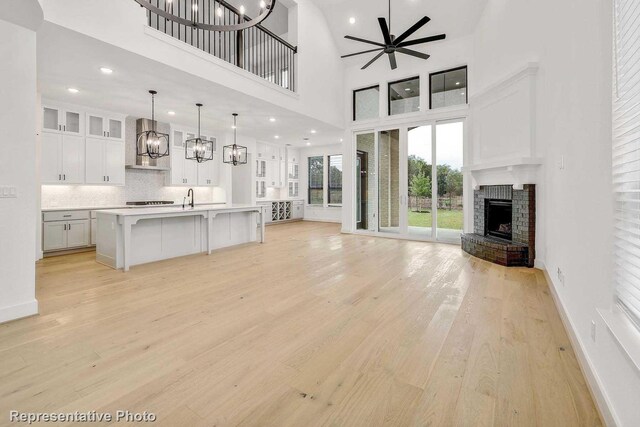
x=521 y=250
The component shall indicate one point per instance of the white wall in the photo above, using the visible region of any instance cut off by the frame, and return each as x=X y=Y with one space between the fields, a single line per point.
x=324 y=213
x=319 y=93
x=18 y=106
x=571 y=41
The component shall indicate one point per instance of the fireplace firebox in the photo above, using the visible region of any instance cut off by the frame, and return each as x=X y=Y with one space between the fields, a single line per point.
x=504 y=225
x=498 y=221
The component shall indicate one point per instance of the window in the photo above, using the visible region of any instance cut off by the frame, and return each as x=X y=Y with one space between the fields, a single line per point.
x=404 y=96
x=626 y=163
x=335 y=179
x=316 y=180
x=366 y=103
x=448 y=88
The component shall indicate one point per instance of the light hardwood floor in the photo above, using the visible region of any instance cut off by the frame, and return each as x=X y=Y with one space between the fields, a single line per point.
x=311 y=328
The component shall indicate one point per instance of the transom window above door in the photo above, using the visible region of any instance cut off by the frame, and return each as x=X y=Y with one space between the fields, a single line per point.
x=404 y=96
x=448 y=88
x=366 y=103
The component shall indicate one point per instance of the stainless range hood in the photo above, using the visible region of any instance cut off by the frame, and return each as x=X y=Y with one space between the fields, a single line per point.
x=145 y=162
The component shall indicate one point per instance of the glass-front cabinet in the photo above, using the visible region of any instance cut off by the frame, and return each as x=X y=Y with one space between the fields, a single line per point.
x=60 y=120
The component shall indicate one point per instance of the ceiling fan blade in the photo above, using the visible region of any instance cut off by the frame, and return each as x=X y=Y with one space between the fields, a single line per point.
x=360 y=53
x=421 y=23
x=375 y=58
x=392 y=60
x=364 y=41
x=423 y=40
x=385 y=30
x=412 y=53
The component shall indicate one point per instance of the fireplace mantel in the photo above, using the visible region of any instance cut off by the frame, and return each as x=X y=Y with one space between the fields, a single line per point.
x=516 y=171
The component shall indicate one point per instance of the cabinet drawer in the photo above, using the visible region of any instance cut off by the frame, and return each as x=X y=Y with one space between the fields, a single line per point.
x=64 y=215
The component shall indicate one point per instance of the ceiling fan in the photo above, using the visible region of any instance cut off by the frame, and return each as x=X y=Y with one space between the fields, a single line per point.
x=394 y=44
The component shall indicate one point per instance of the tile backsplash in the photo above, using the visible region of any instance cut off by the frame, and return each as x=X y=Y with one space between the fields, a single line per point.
x=140 y=185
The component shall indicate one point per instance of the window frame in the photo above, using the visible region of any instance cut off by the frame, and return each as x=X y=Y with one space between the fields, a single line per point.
x=329 y=156
x=309 y=187
x=353 y=101
x=466 y=83
x=389 y=94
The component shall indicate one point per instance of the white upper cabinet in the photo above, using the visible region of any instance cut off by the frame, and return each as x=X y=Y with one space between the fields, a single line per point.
x=209 y=172
x=293 y=155
x=261 y=150
x=105 y=162
x=63 y=159
x=105 y=126
x=68 y=157
x=60 y=120
x=190 y=173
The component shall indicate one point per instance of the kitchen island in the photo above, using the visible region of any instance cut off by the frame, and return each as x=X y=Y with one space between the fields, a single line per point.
x=127 y=237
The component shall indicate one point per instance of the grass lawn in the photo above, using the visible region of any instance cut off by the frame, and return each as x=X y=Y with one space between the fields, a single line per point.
x=450 y=219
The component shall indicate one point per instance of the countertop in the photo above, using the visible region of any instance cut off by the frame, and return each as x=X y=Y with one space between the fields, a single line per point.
x=173 y=210
x=279 y=200
x=98 y=208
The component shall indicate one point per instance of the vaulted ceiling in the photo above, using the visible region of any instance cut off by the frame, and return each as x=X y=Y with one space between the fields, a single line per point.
x=456 y=18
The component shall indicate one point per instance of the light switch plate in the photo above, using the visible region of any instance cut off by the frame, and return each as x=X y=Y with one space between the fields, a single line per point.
x=7 y=192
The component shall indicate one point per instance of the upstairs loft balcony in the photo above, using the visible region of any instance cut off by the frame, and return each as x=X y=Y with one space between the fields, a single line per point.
x=256 y=49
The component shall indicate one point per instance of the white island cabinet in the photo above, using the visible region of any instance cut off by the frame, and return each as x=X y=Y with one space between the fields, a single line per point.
x=127 y=237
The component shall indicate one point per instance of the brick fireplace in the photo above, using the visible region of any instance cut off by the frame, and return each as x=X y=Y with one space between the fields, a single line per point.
x=504 y=225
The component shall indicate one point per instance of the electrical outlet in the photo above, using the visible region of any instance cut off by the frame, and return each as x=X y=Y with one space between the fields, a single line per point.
x=593 y=330
x=560 y=276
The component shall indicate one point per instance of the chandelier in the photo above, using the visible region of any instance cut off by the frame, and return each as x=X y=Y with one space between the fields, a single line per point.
x=197 y=148
x=203 y=14
x=235 y=154
x=151 y=143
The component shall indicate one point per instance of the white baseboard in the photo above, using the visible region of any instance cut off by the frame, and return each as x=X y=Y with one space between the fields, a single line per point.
x=333 y=221
x=18 y=311
x=593 y=380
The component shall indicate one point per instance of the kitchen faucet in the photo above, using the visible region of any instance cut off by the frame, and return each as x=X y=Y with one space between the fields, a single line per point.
x=191 y=203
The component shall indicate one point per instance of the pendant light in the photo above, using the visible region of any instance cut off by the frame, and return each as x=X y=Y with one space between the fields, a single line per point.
x=197 y=148
x=151 y=143
x=235 y=154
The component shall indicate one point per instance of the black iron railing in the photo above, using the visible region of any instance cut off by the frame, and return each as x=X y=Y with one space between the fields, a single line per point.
x=255 y=49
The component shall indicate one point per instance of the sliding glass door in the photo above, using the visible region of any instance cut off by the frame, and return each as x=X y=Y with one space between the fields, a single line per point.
x=366 y=183
x=409 y=181
x=419 y=182
x=449 y=180
x=389 y=181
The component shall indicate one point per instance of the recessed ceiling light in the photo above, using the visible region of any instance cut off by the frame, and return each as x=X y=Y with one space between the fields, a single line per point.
x=308 y=143
x=233 y=126
x=263 y=4
x=313 y=131
x=461 y=93
x=272 y=119
x=106 y=70
x=407 y=89
x=171 y=113
x=276 y=136
x=457 y=83
x=352 y=20
x=73 y=90
x=341 y=139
